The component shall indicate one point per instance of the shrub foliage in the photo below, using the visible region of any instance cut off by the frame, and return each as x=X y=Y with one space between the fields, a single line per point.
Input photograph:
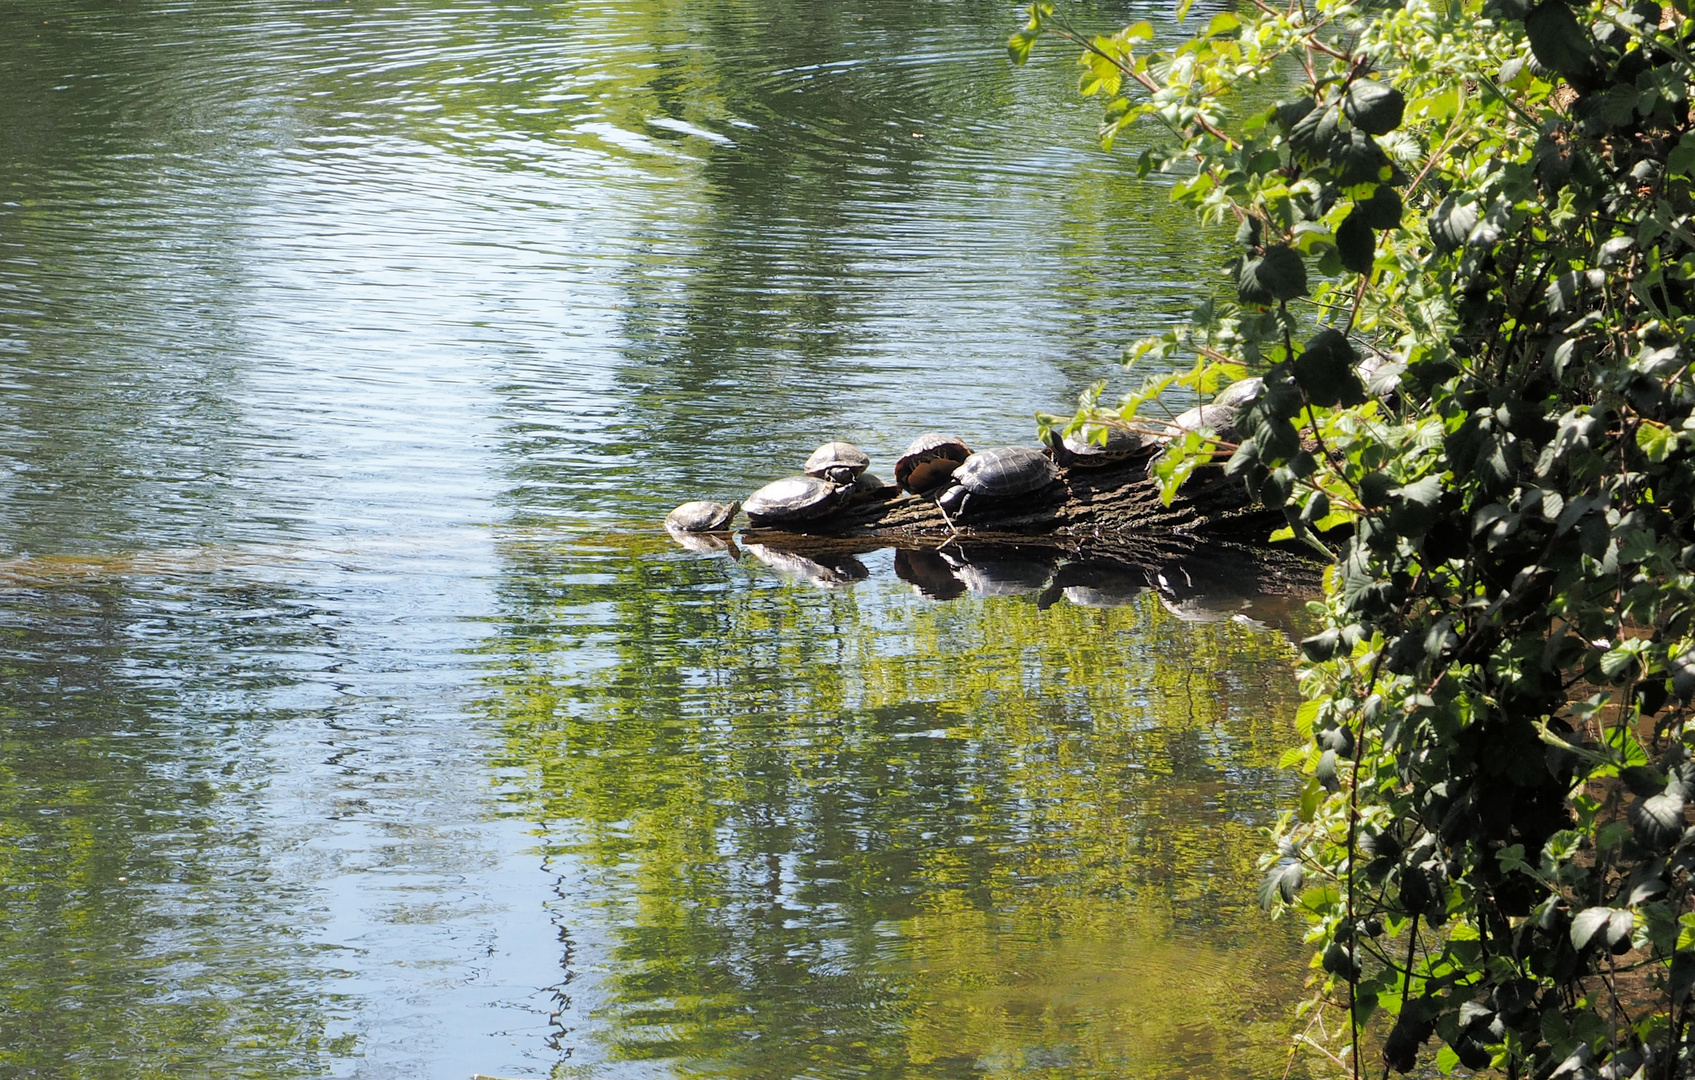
x=1467 y=271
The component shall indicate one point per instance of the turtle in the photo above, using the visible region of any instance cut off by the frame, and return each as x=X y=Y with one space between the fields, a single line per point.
x=929 y=461
x=996 y=474
x=1080 y=450
x=794 y=499
x=870 y=488
x=702 y=516
x=1221 y=419
x=838 y=461
x=1241 y=393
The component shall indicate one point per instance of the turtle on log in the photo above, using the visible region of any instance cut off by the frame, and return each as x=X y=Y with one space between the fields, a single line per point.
x=1001 y=473
x=794 y=499
x=839 y=462
x=929 y=461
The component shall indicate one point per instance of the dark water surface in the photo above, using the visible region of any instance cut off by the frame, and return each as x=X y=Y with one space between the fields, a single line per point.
x=355 y=717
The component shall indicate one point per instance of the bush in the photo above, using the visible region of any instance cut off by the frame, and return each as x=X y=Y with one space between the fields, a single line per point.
x=1466 y=271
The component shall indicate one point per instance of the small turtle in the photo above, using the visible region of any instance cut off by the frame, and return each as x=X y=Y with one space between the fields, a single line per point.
x=702 y=516
x=1241 y=393
x=1080 y=450
x=996 y=474
x=870 y=488
x=794 y=499
x=1221 y=419
x=929 y=461
x=837 y=461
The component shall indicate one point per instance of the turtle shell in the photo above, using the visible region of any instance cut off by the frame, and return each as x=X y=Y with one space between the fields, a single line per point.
x=1083 y=451
x=1006 y=470
x=929 y=461
x=838 y=461
x=1241 y=393
x=794 y=499
x=1220 y=418
x=702 y=516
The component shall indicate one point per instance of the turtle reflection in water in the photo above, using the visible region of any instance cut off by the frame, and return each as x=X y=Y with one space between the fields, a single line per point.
x=826 y=571
x=994 y=475
x=1098 y=583
x=794 y=500
x=928 y=573
x=1000 y=569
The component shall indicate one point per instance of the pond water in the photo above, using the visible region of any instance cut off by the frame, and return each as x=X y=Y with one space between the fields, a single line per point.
x=357 y=718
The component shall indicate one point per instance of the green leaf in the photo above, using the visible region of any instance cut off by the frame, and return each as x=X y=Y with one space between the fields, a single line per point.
x=1325 y=370
x=1450 y=223
x=1374 y=108
x=1222 y=23
x=1446 y=1059
x=1281 y=882
x=1018 y=45
x=1276 y=276
x=1600 y=925
x=1658 y=820
x=1656 y=440
x=1382 y=210
x=1681 y=160
x=1356 y=244
x=1560 y=42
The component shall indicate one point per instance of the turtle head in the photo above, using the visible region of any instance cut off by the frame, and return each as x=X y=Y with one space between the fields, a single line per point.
x=839 y=474
x=952 y=500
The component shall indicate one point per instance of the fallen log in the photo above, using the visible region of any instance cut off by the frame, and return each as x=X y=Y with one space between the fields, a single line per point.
x=1094 y=524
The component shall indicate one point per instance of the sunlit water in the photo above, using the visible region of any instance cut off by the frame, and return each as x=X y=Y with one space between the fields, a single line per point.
x=357 y=719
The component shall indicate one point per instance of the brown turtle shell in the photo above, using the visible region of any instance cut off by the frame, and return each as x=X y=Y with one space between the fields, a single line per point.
x=929 y=461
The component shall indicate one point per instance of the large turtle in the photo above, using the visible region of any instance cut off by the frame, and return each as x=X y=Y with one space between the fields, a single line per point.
x=1080 y=450
x=702 y=516
x=794 y=499
x=1001 y=473
x=929 y=461
x=839 y=462
x=1220 y=419
x=1241 y=393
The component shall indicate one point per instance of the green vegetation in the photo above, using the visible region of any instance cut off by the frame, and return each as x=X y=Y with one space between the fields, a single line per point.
x=1490 y=204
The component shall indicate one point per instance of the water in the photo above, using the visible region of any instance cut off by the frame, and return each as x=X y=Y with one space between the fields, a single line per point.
x=356 y=719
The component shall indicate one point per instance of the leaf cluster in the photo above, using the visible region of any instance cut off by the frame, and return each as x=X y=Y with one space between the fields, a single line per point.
x=1466 y=269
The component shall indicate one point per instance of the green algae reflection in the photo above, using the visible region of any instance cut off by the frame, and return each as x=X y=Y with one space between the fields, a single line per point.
x=855 y=832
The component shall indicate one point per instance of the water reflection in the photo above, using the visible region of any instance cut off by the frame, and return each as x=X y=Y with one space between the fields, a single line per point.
x=345 y=727
x=822 y=832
